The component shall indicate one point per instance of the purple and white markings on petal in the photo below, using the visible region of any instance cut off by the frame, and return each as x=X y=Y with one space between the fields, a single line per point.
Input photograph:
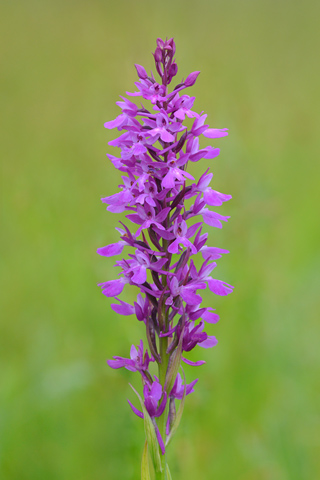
x=174 y=173
x=180 y=231
x=187 y=292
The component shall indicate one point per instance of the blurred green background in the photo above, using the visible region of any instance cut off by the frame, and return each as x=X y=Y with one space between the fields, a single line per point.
x=63 y=412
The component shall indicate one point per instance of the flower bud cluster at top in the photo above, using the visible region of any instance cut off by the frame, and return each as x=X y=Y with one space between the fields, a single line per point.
x=155 y=148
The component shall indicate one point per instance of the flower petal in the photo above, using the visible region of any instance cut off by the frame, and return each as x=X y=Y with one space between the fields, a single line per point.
x=211 y=341
x=135 y=410
x=219 y=287
x=140 y=275
x=190 y=297
x=111 y=250
x=194 y=364
x=215 y=132
x=122 y=309
x=113 y=287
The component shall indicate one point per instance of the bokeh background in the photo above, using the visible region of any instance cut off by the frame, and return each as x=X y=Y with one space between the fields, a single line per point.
x=255 y=412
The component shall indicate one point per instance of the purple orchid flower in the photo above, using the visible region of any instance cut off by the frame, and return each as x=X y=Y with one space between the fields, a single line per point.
x=211 y=197
x=187 y=292
x=174 y=172
x=138 y=361
x=155 y=408
x=152 y=396
x=182 y=234
x=178 y=388
x=162 y=198
x=182 y=107
x=146 y=216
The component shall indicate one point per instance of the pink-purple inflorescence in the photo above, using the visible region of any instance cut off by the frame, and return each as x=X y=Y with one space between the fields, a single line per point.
x=155 y=148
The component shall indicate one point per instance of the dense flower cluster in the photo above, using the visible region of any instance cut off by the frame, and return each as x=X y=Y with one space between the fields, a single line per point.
x=155 y=148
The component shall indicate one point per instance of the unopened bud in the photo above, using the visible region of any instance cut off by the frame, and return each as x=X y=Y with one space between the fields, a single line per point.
x=173 y=46
x=173 y=70
x=160 y=43
x=191 y=79
x=159 y=69
x=141 y=72
x=158 y=54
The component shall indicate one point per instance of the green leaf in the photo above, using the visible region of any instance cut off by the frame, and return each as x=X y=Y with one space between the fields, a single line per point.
x=168 y=473
x=153 y=445
x=145 y=473
x=179 y=412
x=145 y=467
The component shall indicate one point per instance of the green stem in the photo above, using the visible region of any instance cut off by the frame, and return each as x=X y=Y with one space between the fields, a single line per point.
x=162 y=367
x=162 y=420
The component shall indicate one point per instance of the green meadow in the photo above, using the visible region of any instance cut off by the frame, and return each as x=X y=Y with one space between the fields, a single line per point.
x=255 y=412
